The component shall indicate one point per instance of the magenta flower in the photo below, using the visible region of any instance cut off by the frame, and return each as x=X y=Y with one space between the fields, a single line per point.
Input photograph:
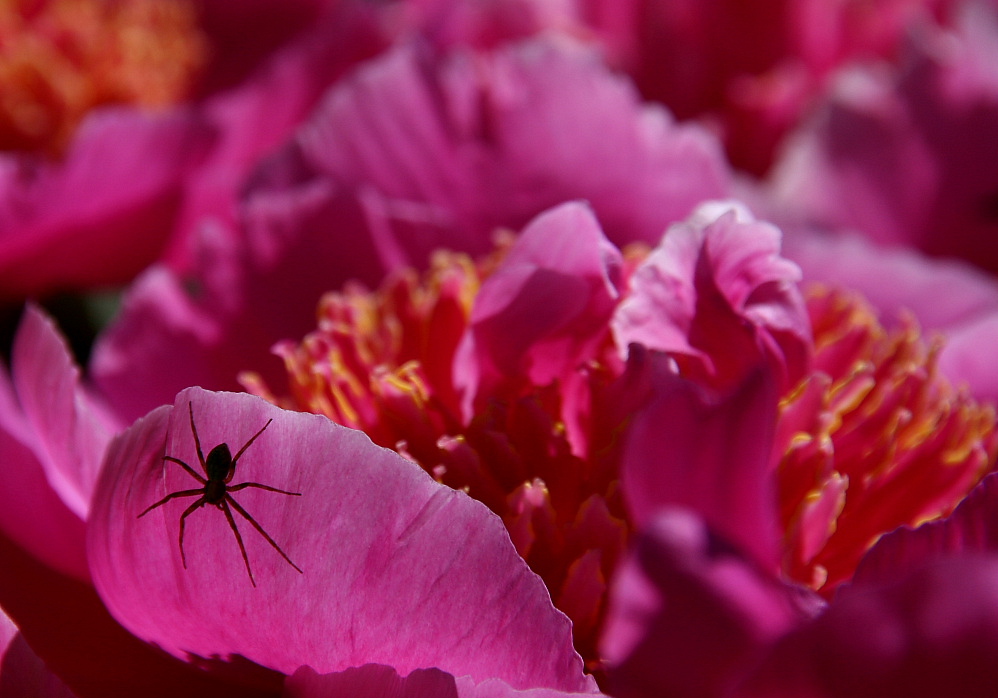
x=508 y=379
x=99 y=140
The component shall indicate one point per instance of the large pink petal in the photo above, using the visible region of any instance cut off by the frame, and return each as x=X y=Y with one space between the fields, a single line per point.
x=688 y=615
x=710 y=452
x=467 y=142
x=104 y=213
x=397 y=569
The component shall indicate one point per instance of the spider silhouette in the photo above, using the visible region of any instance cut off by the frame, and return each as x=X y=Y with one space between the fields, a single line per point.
x=220 y=466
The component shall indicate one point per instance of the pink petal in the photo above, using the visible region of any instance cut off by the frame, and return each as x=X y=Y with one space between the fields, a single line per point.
x=905 y=158
x=22 y=673
x=709 y=452
x=545 y=306
x=470 y=141
x=258 y=115
x=75 y=224
x=70 y=429
x=933 y=633
x=688 y=615
x=253 y=286
x=54 y=437
x=397 y=569
x=717 y=295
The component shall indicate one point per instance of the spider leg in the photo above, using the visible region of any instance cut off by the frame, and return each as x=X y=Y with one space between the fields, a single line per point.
x=186 y=467
x=167 y=498
x=242 y=512
x=244 y=485
x=187 y=512
x=245 y=446
x=239 y=538
x=197 y=441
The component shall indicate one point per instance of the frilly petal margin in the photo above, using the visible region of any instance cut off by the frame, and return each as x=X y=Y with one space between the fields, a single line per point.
x=397 y=569
x=378 y=681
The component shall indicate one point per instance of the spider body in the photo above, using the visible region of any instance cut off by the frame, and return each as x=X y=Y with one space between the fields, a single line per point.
x=219 y=468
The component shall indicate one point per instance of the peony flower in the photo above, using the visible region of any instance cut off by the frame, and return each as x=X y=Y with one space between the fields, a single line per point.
x=100 y=140
x=515 y=379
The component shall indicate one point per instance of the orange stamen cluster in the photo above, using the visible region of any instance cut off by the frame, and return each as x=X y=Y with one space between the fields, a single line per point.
x=61 y=58
x=873 y=439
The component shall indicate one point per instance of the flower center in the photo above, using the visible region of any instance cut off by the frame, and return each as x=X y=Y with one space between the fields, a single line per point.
x=61 y=58
x=873 y=439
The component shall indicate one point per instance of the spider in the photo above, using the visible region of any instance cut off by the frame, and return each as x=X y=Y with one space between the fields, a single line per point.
x=220 y=466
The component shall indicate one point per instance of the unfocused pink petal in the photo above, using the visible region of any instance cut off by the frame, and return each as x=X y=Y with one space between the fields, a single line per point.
x=906 y=158
x=710 y=452
x=258 y=115
x=470 y=141
x=252 y=287
x=689 y=616
x=102 y=214
x=396 y=569
x=22 y=673
x=932 y=633
x=719 y=298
